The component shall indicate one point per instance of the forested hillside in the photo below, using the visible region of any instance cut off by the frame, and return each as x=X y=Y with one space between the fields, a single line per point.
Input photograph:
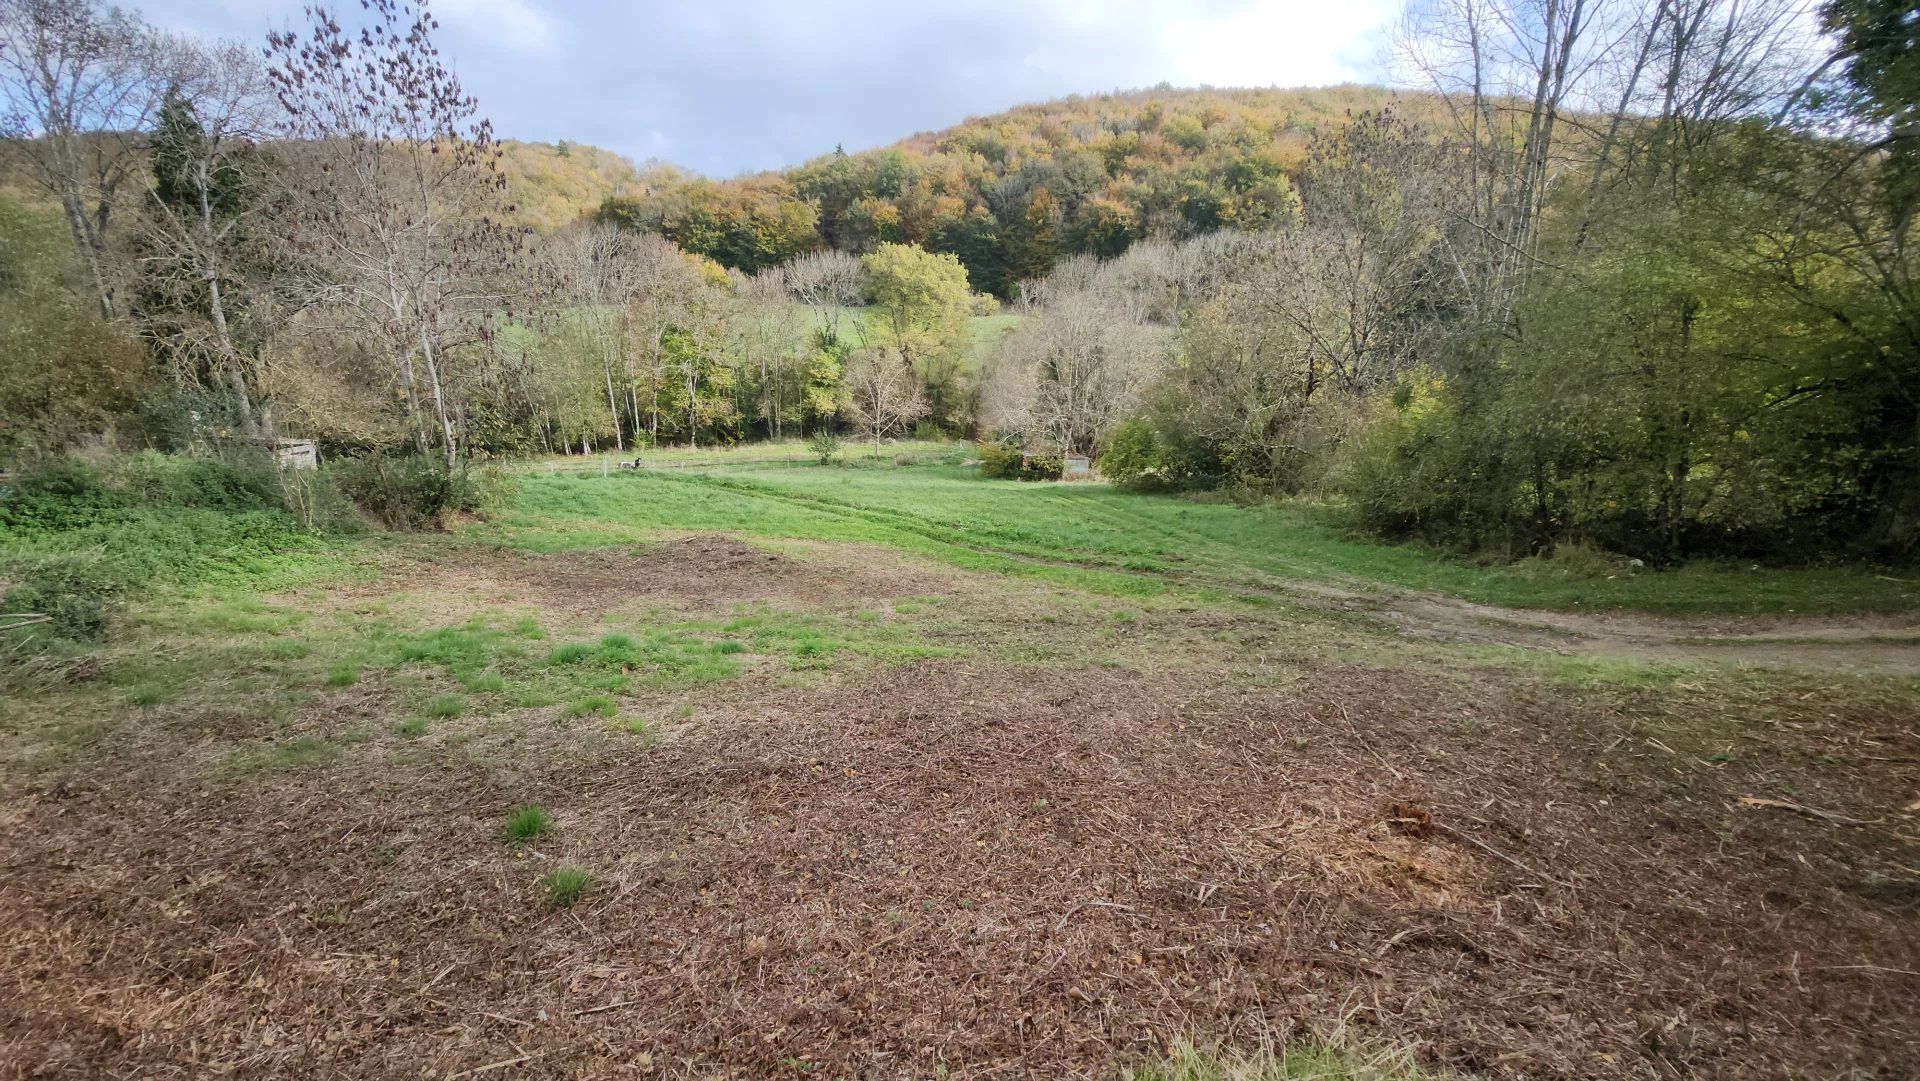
x=1013 y=193
x=552 y=184
x=547 y=184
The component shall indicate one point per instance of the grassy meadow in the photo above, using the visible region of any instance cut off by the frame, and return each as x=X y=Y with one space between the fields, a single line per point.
x=675 y=704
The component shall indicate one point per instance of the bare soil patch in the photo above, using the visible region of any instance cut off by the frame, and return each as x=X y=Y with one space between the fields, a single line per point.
x=1005 y=872
x=700 y=570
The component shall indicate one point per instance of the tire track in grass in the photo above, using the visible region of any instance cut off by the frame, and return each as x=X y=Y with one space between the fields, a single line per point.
x=992 y=552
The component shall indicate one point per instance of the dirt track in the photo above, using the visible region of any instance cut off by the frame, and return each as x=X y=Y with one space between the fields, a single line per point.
x=1865 y=643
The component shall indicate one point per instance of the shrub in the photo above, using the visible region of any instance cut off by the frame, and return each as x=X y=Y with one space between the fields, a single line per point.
x=927 y=431
x=825 y=445
x=1007 y=461
x=76 y=536
x=1043 y=467
x=419 y=492
x=79 y=616
x=240 y=481
x=1140 y=456
x=1001 y=461
x=59 y=493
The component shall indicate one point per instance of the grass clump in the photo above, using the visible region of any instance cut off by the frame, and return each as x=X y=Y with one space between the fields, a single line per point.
x=528 y=823
x=343 y=675
x=412 y=726
x=445 y=706
x=565 y=886
x=598 y=705
x=668 y=656
x=484 y=682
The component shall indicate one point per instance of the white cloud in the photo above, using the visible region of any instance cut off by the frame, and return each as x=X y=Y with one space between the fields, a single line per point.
x=727 y=85
x=1279 y=43
x=514 y=25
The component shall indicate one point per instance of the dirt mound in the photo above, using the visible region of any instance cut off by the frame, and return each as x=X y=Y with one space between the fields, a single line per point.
x=999 y=872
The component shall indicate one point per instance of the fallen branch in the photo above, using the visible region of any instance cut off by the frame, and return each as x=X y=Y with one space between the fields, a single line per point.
x=492 y=1066
x=1801 y=808
x=1483 y=846
x=608 y=1006
x=1416 y=821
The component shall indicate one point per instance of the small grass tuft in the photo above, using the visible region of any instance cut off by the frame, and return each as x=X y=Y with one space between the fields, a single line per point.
x=565 y=886
x=343 y=675
x=571 y=653
x=412 y=726
x=445 y=705
x=485 y=682
x=528 y=823
x=598 y=705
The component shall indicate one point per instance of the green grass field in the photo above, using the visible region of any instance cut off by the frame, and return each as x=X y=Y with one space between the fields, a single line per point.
x=1114 y=541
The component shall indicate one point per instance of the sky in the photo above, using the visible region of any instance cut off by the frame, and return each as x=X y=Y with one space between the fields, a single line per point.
x=732 y=86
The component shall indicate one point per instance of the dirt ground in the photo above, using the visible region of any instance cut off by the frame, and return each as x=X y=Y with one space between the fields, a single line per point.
x=977 y=869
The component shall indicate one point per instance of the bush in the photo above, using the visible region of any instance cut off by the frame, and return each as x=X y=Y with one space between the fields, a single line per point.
x=824 y=445
x=1005 y=461
x=419 y=492
x=1141 y=456
x=1042 y=466
x=1000 y=461
x=927 y=431
x=239 y=481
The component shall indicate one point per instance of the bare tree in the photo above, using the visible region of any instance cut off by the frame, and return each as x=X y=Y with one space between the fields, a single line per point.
x=1507 y=71
x=79 y=86
x=597 y=268
x=1517 y=76
x=397 y=218
x=664 y=292
x=206 y=194
x=766 y=332
x=883 y=394
x=1072 y=370
x=828 y=282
